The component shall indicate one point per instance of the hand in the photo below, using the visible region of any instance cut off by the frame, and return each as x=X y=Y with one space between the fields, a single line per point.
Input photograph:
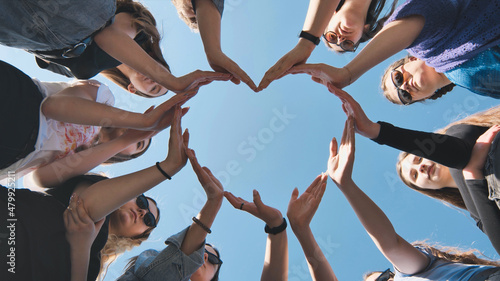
x=302 y=209
x=222 y=63
x=81 y=231
x=474 y=169
x=177 y=143
x=324 y=74
x=296 y=56
x=351 y=107
x=271 y=216
x=212 y=186
x=196 y=79
x=341 y=162
x=160 y=118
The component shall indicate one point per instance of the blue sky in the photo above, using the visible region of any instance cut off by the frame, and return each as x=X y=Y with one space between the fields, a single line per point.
x=292 y=121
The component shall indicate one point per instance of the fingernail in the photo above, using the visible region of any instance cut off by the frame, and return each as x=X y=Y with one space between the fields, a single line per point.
x=255 y=192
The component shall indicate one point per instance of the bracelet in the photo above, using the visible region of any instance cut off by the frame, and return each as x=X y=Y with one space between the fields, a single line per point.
x=276 y=230
x=200 y=224
x=162 y=172
x=308 y=36
x=350 y=74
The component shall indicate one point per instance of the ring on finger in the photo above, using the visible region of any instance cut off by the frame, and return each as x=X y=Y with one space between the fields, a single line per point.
x=241 y=206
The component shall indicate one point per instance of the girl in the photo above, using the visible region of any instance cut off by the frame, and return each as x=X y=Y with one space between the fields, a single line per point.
x=411 y=262
x=453 y=41
x=456 y=176
x=91 y=36
x=42 y=251
x=49 y=123
x=344 y=25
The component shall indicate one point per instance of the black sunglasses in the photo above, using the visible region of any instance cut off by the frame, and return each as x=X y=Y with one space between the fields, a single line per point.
x=215 y=260
x=149 y=219
x=398 y=79
x=346 y=45
x=386 y=275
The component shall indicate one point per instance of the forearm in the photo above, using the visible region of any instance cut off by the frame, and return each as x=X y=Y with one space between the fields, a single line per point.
x=78 y=163
x=276 y=258
x=318 y=265
x=105 y=196
x=79 y=263
x=447 y=150
x=393 y=38
x=72 y=109
x=124 y=49
x=196 y=234
x=371 y=217
x=209 y=24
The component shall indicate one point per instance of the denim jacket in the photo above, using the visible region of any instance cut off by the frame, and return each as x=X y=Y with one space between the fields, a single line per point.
x=171 y=264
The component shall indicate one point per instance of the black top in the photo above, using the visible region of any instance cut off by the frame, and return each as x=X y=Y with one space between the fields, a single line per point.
x=41 y=250
x=454 y=151
x=63 y=193
x=91 y=62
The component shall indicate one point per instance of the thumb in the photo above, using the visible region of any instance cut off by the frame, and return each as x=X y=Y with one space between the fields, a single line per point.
x=256 y=199
x=295 y=194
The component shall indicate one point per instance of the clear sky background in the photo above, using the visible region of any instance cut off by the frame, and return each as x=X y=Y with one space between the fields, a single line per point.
x=291 y=151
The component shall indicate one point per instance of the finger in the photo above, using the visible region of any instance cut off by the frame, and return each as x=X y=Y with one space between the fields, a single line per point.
x=82 y=214
x=295 y=194
x=198 y=170
x=333 y=147
x=185 y=138
x=344 y=108
x=317 y=80
x=345 y=132
x=350 y=129
x=257 y=200
x=235 y=80
x=315 y=183
x=213 y=178
x=317 y=189
x=233 y=200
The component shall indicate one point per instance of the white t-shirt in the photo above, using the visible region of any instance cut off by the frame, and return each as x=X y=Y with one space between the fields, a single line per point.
x=58 y=139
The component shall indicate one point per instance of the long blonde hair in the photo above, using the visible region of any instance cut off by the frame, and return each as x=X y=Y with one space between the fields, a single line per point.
x=116 y=245
x=144 y=22
x=452 y=196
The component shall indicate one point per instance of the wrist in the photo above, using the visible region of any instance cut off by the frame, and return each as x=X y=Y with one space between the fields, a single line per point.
x=306 y=45
x=168 y=168
x=275 y=222
x=374 y=130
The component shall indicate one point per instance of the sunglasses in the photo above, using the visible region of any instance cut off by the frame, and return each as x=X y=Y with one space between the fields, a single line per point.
x=398 y=79
x=215 y=260
x=346 y=45
x=386 y=275
x=143 y=203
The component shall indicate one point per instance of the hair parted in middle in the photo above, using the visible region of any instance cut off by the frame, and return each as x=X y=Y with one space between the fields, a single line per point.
x=487 y=118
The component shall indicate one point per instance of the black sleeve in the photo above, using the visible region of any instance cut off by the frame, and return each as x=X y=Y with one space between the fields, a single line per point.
x=452 y=150
x=54 y=67
x=487 y=210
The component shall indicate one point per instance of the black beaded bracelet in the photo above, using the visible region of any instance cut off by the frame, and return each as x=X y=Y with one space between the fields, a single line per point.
x=200 y=224
x=162 y=172
x=276 y=230
x=308 y=36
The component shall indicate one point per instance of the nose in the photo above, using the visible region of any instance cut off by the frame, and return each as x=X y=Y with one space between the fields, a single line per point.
x=423 y=168
x=141 y=212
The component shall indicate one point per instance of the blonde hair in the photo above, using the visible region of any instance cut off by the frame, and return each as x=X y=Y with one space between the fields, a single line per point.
x=452 y=196
x=144 y=22
x=116 y=245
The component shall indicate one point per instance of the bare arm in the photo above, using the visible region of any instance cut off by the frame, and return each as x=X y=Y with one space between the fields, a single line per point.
x=196 y=234
x=106 y=196
x=398 y=251
x=117 y=41
x=83 y=161
x=73 y=104
x=319 y=14
x=276 y=256
x=300 y=213
x=209 y=20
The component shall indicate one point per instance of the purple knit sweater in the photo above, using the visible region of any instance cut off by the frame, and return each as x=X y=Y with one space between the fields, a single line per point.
x=454 y=31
